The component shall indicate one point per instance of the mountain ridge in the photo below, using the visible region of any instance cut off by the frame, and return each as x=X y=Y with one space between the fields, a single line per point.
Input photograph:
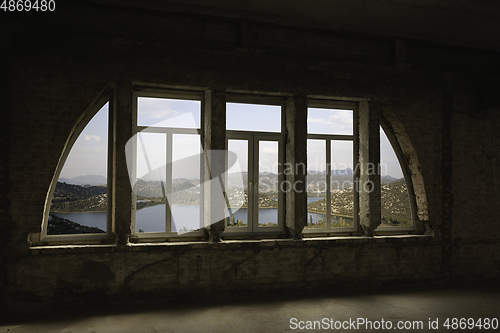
x=85 y=180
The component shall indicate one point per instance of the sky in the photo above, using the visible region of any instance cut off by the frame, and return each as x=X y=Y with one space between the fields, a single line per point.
x=332 y=121
x=88 y=156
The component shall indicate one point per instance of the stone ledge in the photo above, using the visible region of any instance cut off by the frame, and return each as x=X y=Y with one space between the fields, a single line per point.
x=230 y=244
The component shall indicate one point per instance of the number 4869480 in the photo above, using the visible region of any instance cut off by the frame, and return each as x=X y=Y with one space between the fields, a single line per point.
x=471 y=323
x=28 y=5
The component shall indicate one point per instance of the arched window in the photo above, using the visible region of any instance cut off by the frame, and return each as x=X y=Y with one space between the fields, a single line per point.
x=77 y=202
x=332 y=180
x=165 y=164
x=396 y=203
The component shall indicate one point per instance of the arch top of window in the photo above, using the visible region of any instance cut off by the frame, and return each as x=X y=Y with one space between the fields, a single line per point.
x=76 y=134
x=386 y=129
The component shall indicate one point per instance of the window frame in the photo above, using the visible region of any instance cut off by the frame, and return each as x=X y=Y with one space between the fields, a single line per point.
x=177 y=94
x=94 y=238
x=254 y=138
x=328 y=138
x=409 y=186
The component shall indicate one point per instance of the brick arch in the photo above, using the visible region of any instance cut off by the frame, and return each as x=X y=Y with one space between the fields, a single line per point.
x=410 y=164
x=86 y=116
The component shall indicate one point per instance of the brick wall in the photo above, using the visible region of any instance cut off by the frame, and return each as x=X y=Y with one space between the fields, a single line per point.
x=58 y=64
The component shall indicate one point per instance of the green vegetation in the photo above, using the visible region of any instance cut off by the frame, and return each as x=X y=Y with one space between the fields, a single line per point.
x=96 y=203
x=59 y=226
x=266 y=199
x=143 y=202
x=268 y=224
x=230 y=222
x=395 y=206
x=337 y=222
x=70 y=198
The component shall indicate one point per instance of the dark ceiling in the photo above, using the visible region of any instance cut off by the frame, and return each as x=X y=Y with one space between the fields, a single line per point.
x=473 y=23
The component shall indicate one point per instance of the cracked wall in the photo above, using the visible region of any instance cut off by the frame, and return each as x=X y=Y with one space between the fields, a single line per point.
x=58 y=67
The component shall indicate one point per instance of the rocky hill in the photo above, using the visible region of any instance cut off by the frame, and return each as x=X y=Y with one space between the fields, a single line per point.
x=78 y=198
x=85 y=180
x=395 y=203
x=60 y=226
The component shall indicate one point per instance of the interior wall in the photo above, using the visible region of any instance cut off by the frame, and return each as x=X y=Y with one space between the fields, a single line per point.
x=57 y=66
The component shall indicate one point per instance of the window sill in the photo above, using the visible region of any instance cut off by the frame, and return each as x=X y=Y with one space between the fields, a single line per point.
x=229 y=244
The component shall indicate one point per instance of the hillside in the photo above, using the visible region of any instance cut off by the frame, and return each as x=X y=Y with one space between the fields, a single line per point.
x=395 y=204
x=85 y=180
x=316 y=180
x=154 y=188
x=60 y=226
x=78 y=198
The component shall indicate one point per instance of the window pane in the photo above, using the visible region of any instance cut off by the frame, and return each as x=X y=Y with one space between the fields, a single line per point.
x=237 y=188
x=316 y=184
x=79 y=203
x=253 y=117
x=151 y=187
x=396 y=209
x=268 y=184
x=185 y=197
x=329 y=121
x=342 y=194
x=164 y=112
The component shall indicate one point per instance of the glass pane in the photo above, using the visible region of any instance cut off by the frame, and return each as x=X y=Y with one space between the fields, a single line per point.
x=79 y=203
x=249 y=117
x=185 y=196
x=316 y=184
x=150 y=187
x=342 y=194
x=329 y=121
x=164 y=112
x=268 y=184
x=396 y=209
x=237 y=186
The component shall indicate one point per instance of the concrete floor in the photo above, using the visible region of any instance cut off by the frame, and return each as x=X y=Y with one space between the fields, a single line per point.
x=274 y=315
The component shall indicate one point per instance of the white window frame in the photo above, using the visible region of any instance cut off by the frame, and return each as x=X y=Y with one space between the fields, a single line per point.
x=328 y=138
x=94 y=238
x=169 y=132
x=407 y=176
x=254 y=138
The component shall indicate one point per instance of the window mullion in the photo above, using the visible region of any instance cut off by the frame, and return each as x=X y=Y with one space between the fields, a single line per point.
x=168 y=182
x=328 y=183
x=253 y=205
x=133 y=152
x=369 y=158
x=122 y=200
